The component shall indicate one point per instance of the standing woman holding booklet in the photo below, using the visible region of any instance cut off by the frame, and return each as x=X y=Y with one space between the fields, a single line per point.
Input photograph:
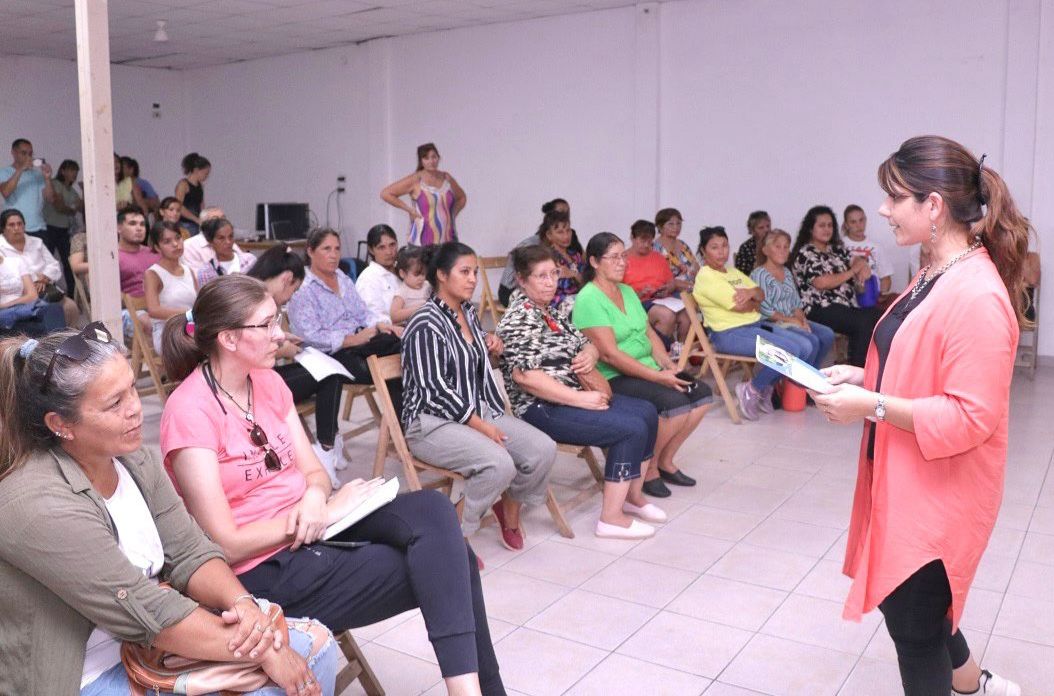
x=234 y=446
x=936 y=390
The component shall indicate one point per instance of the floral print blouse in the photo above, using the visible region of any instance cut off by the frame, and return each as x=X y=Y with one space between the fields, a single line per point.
x=537 y=338
x=812 y=263
x=681 y=261
x=565 y=287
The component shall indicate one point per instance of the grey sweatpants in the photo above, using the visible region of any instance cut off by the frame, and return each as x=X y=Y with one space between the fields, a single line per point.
x=522 y=466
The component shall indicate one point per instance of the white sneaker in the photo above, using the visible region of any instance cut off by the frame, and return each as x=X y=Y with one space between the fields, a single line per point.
x=649 y=512
x=338 y=444
x=636 y=530
x=994 y=685
x=328 y=459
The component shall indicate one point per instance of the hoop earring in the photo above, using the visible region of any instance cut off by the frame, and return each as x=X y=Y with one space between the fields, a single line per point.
x=933 y=233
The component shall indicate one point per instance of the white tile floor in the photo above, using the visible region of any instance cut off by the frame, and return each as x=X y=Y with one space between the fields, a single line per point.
x=740 y=593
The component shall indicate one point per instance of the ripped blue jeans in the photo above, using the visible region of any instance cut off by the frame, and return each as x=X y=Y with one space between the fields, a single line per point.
x=114 y=681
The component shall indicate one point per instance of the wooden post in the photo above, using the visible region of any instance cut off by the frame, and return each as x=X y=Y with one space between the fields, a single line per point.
x=96 y=117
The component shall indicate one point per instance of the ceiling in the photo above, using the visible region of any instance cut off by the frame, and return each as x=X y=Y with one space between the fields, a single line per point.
x=213 y=32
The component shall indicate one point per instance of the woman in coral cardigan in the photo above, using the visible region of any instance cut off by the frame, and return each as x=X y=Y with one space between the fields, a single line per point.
x=936 y=391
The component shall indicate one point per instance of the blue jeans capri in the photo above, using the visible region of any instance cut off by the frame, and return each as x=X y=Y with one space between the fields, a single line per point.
x=627 y=427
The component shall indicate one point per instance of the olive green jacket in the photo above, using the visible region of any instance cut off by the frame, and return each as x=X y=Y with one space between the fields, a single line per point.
x=62 y=573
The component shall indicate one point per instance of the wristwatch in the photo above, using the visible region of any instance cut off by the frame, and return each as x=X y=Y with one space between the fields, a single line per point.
x=880 y=408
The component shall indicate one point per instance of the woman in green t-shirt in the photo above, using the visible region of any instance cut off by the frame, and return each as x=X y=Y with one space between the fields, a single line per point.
x=634 y=360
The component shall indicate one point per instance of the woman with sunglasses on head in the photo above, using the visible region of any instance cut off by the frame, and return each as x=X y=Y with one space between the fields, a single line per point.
x=92 y=525
x=935 y=391
x=235 y=448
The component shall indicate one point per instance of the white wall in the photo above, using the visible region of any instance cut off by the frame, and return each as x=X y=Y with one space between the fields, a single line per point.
x=711 y=106
x=39 y=102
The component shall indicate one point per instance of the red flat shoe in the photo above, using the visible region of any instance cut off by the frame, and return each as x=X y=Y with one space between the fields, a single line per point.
x=512 y=539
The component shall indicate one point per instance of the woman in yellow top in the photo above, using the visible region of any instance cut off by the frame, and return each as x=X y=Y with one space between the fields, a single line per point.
x=730 y=302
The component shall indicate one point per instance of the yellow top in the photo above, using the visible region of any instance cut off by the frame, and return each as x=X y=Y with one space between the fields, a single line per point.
x=715 y=293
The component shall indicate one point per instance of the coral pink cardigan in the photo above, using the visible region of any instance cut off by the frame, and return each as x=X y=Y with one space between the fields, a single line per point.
x=935 y=493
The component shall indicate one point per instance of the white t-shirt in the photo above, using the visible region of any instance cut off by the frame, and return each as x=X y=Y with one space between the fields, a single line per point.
x=376 y=286
x=11 y=272
x=137 y=537
x=874 y=253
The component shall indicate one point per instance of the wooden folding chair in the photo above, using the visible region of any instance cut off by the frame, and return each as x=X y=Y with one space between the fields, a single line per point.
x=366 y=391
x=80 y=296
x=391 y=434
x=488 y=302
x=584 y=452
x=1028 y=353
x=697 y=343
x=143 y=350
x=357 y=668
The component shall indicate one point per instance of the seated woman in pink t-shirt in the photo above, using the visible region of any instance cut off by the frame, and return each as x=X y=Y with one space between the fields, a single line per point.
x=235 y=449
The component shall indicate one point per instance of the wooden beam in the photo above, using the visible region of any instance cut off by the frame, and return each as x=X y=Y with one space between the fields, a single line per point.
x=96 y=117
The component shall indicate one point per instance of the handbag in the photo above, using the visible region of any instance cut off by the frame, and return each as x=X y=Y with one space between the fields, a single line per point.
x=152 y=670
x=594 y=381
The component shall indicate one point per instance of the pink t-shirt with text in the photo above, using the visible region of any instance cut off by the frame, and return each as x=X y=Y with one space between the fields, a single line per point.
x=193 y=418
x=132 y=267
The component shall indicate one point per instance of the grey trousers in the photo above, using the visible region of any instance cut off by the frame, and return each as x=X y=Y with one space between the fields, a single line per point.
x=522 y=466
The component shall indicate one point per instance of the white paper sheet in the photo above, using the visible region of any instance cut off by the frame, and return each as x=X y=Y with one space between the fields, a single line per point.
x=380 y=496
x=320 y=365
x=772 y=356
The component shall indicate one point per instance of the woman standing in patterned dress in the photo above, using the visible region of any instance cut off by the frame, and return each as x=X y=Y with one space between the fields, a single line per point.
x=435 y=199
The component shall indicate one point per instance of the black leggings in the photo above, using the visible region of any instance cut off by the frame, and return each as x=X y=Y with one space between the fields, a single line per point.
x=856 y=323
x=416 y=558
x=326 y=393
x=917 y=619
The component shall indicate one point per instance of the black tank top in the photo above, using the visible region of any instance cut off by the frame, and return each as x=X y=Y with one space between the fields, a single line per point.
x=883 y=338
x=192 y=201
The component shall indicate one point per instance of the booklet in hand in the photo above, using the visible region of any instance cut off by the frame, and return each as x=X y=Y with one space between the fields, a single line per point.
x=794 y=368
x=377 y=498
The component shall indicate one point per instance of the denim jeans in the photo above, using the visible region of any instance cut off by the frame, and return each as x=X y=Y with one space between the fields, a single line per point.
x=627 y=427
x=741 y=341
x=816 y=343
x=114 y=681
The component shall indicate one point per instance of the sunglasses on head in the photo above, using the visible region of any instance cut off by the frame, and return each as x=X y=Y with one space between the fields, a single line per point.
x=259 y=438
x=76 y=348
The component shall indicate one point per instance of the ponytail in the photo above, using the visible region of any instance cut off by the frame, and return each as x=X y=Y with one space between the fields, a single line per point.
x=1004 y=231
x=179 y=349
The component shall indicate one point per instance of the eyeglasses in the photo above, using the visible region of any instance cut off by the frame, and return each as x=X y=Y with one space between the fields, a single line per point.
x=615 y=257
x=76 y=348
x=551 y=275
x=259 y=438
x=270 y=326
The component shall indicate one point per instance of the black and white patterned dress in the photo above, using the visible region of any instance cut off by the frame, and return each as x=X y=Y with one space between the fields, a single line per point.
x=810 y=264
x=537 y=338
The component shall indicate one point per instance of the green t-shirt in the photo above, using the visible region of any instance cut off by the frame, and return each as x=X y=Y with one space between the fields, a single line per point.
x=593 y=308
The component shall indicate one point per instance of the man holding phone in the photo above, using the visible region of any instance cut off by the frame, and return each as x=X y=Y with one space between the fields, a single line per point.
x=25 y=185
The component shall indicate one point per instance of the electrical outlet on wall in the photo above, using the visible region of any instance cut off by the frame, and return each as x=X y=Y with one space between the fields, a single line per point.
x=156 y=110
x=340 y=183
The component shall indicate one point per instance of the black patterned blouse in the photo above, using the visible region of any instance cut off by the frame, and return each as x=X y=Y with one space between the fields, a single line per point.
x=747 y=256
x=812 y=263
x=537 y=338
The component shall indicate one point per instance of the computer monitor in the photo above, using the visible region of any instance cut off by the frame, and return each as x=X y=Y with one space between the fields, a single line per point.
x=283 y=220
